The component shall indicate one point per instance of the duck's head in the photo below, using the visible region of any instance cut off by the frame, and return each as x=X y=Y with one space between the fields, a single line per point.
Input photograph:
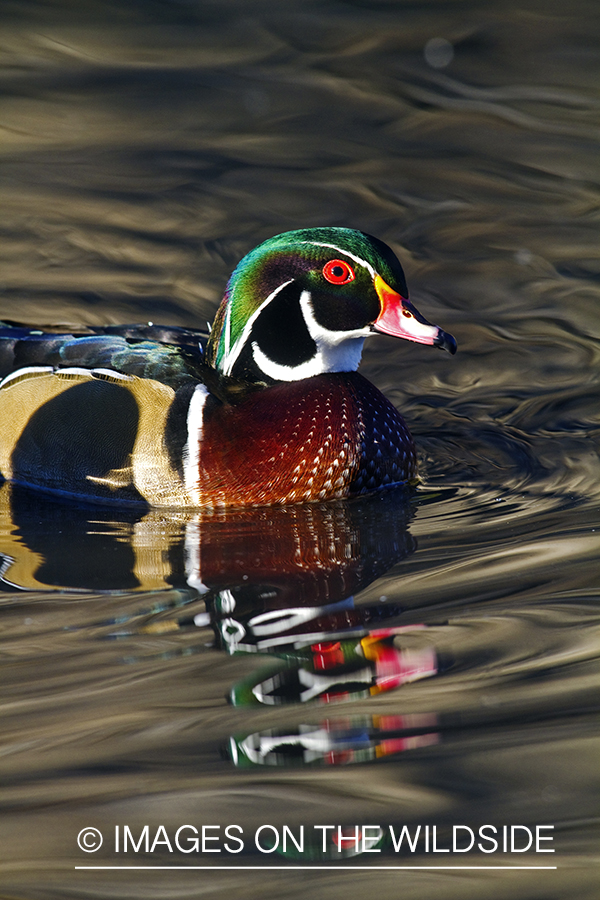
x=302 y=303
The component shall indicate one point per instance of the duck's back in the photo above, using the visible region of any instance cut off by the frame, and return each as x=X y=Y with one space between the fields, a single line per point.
x=169 y=354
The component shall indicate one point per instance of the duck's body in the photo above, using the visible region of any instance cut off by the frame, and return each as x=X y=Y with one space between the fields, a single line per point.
x=270 y=412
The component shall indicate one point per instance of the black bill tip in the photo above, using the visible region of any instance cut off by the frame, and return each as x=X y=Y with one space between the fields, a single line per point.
x=445 y=341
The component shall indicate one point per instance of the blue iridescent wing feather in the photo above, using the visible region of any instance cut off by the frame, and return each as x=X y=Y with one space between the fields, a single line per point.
x=167 y=354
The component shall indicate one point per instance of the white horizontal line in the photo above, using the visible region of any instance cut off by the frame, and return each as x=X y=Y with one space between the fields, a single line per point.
x=335 y=867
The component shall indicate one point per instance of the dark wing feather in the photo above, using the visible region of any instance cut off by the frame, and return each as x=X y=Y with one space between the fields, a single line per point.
x=171 y=355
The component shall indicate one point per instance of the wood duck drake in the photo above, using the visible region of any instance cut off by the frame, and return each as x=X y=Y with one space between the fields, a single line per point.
x=267 y=409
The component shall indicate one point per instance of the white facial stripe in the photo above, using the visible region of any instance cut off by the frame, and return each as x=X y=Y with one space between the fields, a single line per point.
x=191 y=451
x=230 y=356
x=357 y=259
x=323 y=336
x=286 y=373
x=337 y=351
x=227 y=330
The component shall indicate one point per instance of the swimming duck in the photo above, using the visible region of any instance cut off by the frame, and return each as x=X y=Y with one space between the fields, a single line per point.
x=267 y=409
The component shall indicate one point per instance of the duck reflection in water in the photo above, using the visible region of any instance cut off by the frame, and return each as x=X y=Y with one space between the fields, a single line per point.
x=272 y=581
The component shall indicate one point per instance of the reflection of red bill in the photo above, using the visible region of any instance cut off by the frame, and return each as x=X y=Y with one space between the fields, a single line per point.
x=351 y=841
x=394 y=667
x=337 y=670
x=335 y=742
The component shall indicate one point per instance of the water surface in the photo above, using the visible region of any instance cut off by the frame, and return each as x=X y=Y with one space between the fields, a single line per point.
x=147 y=147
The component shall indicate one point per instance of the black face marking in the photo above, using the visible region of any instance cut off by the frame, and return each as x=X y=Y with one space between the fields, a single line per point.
x=88 y=429
x=280 y=330
x=245 y=368
x=346 y=307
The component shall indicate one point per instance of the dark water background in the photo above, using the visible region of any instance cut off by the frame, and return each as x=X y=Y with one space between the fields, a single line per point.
x=145 y=147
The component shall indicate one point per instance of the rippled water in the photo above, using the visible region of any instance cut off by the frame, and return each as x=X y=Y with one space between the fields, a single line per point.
x=145 y=148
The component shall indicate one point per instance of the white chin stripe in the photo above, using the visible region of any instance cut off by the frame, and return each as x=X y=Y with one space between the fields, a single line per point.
x=343 y=358
x=231 y=354
x=337 y=351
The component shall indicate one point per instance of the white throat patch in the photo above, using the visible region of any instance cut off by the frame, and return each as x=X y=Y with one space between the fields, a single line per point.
x=337 y=351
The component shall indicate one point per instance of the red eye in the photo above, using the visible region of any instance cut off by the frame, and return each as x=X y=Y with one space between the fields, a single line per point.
x=338 y=272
